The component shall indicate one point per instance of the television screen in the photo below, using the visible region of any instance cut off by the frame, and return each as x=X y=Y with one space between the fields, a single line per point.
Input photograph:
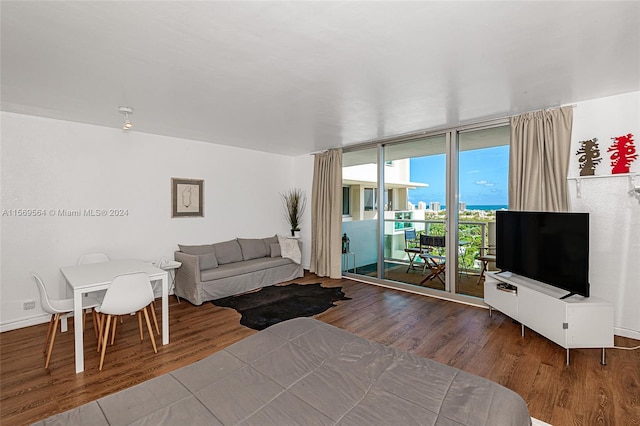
x=549 y=247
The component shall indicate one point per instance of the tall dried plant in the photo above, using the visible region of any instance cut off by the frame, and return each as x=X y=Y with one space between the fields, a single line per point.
x=294 y=202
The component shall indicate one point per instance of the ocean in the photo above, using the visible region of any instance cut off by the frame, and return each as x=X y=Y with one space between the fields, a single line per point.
x=487 y=207
x=481 y=207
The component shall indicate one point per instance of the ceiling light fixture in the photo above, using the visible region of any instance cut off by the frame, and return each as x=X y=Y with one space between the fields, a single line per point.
x=126 y=124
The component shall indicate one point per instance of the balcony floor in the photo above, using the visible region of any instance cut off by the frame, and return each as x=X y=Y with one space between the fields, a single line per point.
x=467 y=281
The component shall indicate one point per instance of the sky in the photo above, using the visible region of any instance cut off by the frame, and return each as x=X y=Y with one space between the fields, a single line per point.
x=483 y=177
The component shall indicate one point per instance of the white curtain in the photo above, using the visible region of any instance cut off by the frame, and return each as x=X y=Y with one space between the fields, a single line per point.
x=326 y=215
x=539 y=160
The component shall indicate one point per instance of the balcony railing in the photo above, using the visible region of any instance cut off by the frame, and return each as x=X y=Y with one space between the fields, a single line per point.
x=471 y=236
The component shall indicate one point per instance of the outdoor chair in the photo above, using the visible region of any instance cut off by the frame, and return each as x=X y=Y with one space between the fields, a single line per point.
x=432 y=253
x=411 y=246
x=486 y=255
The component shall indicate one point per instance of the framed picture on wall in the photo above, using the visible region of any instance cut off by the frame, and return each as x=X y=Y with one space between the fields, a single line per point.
x=187 y=198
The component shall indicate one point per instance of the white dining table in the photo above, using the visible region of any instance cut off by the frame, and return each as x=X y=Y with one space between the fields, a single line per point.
x=98 y=276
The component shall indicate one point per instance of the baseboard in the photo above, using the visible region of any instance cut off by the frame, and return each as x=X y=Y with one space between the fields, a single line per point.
x=625 y=332
x=27 y=322
x=536 y=422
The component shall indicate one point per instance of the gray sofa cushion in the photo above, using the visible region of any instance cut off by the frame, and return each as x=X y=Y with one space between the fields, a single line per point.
x=275 y=250
x=240 y=268
x=196 y=250
x=228 y=252
x=270 y=240
x=253 y=248
x=208 y=261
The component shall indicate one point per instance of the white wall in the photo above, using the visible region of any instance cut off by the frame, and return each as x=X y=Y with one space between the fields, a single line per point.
x=614 y=261
x=52 y=164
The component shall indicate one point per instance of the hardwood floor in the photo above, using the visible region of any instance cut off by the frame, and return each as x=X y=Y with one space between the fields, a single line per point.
x=584 y=393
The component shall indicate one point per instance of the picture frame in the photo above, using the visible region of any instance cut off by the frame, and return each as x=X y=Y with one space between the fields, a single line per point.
x=187 y=197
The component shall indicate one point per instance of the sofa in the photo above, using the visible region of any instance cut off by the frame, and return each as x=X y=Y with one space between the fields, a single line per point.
x=213 y=271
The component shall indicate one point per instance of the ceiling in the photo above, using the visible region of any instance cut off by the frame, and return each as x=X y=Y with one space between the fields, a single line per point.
x=299 y=77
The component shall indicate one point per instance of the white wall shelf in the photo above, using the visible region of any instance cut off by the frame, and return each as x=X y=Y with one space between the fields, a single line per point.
x=633 y=190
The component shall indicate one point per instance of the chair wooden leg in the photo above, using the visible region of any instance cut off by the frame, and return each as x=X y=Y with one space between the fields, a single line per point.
x=101 y=319
x=140 y=324
x=153 y=339
x=425 y=265
x=94 y=316
x=436 y=269
x=53 y=338
x=155 y=317
x=46 y=340
x=439 y=271
x=105 y=339
x=113 y=333
x=411 y=260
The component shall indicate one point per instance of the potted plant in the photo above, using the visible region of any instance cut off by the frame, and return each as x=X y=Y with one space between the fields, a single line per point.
x=294 y=202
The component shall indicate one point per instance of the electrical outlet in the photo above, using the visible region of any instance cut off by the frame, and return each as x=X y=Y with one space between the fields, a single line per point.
x=31 y=304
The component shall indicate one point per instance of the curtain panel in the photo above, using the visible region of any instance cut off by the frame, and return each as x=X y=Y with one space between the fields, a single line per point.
x=539 y=160
x=326 y=215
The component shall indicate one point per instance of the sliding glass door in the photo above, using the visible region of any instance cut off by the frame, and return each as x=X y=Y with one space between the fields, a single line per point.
x=483 y=170
x=360 y=212
x=418 y=212
x=415 y=172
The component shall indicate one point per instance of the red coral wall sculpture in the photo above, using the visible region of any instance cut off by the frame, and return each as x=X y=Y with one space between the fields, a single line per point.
x=624 y=152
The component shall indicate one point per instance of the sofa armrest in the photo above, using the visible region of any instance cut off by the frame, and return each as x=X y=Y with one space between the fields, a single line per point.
x=187 y=277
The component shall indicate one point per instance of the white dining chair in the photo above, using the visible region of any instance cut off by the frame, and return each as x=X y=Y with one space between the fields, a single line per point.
x=127 y=293
x=102 y=257
x=61 y=307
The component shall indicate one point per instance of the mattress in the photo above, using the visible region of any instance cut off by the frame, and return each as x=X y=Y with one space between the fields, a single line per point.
x=306 y=372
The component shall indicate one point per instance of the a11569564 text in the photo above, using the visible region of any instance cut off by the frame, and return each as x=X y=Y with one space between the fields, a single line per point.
x=29 y=212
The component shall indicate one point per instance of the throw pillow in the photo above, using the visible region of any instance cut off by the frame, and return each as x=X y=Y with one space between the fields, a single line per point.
x=207 y=261
x=275 y=250
x=271 y=240
x=196 y=250
x=290 y=249
x=253 y=248
x=228 y=252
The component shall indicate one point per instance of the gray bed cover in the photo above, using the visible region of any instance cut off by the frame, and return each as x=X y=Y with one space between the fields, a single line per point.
x=306 y=372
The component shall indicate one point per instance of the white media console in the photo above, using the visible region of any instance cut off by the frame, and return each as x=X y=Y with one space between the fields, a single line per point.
x=572 y=322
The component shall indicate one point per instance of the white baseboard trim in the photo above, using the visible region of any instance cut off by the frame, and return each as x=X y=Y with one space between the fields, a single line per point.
x=27 y=322
x=625 y=332
x=536 y=422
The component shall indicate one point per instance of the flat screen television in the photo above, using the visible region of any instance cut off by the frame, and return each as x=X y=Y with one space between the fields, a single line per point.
x=549 y=247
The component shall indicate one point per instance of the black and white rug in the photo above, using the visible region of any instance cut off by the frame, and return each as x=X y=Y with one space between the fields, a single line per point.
x=274 y=304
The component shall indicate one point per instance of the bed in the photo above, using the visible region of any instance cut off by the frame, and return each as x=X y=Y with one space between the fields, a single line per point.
x=306 y=372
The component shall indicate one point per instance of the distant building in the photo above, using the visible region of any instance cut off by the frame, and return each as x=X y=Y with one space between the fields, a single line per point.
x=435 y=206
x=462 y=206
x=422 y=205
x=360 y=188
